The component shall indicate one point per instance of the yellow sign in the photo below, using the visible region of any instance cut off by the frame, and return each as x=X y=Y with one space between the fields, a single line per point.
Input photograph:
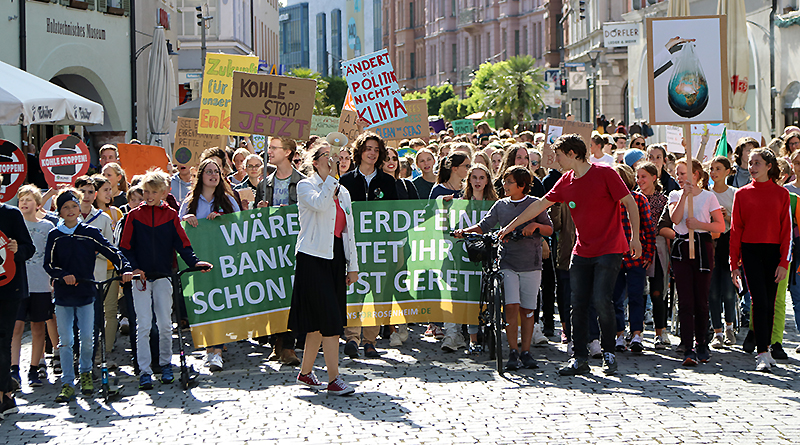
x=215 y=107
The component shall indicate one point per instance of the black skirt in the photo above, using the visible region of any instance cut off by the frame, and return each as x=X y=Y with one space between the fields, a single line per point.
x=319 y=296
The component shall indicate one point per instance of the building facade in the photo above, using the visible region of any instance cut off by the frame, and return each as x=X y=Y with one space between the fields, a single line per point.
x=83 y=46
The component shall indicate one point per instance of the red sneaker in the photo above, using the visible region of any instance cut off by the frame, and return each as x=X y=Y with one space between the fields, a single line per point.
x=339 y=387
x=311 y=381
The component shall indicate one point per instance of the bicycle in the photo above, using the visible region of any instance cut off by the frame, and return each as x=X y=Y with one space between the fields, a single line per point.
x=485 y=248
x=188 y=374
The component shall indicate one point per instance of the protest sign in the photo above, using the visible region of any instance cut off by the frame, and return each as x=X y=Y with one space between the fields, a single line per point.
x=463 y=126
x=259 y=142
x=674 y=137
x=13 y=167
x=714 y=132
x=63 y=159
x=137 y=159
x=272 y=105
x=322 y=125
x=189 y=144
x=412 y=126
x=215 y=107
x=8 y=268
x=557 y=127
x=410 y=269
x=373 y=87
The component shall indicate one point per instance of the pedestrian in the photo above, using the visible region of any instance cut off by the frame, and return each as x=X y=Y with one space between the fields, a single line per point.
x=593 y=194
x=240 y=173
x=12 y=292
x=657 y=154
x=390 y=166
x=326 y=263
x=70 y=262
x=693 y=275
x=741 y=155
x=520 y=263
x=760 y=241
x=425 y=162
x=517 y=154
x=108 y=153
x=150 y=239
x=253 y=165
x=119 y=183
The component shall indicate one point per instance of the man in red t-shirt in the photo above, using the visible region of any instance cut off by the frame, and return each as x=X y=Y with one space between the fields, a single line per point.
x=593 y=194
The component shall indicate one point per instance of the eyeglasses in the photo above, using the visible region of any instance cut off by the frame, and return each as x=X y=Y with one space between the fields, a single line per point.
x=534 y=162
x=211 y=172
x=638 y=144
x=253 y=166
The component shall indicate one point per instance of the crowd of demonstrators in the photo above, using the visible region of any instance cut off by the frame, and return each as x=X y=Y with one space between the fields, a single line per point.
x=602 y=238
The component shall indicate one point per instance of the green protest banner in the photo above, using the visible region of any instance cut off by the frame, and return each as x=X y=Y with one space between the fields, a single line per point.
x=463 y=126
x=410 y=269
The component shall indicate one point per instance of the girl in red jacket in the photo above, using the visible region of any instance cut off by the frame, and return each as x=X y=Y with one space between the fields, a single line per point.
x=761 y=231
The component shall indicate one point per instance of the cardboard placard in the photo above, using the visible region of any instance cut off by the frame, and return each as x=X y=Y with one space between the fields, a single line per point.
x=189 y=144
x=259 y=142
x=557 y=127
x=373 y=87
x=63 y=159
x=272 y=105
x=215 y=107
x=322 y=125
x=13 y=168
x=463 y=126
x=8 y=268
x=674 y=137
x=687 y=70
x=136 y=159
x=415 y=125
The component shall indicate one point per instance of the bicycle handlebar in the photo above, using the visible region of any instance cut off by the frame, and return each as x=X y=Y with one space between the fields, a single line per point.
x=104 y=282
x=156 y=276
x=516 y=235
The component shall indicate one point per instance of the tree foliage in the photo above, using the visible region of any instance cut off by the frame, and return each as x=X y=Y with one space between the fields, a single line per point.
x=515 y=89
x=320 y=106
x=434 y=95
x=335 y=93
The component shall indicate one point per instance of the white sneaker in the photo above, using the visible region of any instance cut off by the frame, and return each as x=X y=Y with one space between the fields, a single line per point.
x=403 y=331
x=717 y=342
x=763 y=362
x=538 y=337
x=730 y=336
x=620 y=345
x=215 y=362
x=648 y=317
x=395 y=340
x=569 y=349
x=124 y=326
x=452 y=343
x=595 y=351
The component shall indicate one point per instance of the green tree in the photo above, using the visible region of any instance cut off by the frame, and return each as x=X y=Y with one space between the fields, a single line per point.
x=434 y=96
x=516 y=89
x=335 y=93
x=449 y=109
x=320 y=107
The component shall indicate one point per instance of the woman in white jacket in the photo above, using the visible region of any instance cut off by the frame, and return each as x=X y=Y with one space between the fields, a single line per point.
x=326 y=263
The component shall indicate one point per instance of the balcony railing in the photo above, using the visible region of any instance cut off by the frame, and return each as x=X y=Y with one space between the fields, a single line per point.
x=469 y=17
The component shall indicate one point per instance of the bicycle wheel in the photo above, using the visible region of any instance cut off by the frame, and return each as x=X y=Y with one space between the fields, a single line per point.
x=497 y=320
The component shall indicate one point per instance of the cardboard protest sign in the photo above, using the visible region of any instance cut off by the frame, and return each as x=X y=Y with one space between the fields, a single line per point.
x=137 y=159
x=189 y=144
x=259 y=142
x=8 y=268
x=415 y=125
x=322 y=125
x=557 y=127
x=373 y=87
x=215 y=107
x=13 y=167
x=272 y=105
x=463 y=126
x=674 y=137
x=63 y=159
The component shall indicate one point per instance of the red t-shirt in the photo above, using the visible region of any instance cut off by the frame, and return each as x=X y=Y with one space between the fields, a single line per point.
x=593 y=201
x=341 y=220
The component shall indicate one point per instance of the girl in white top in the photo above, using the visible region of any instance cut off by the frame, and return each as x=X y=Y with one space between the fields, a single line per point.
x=693 y=276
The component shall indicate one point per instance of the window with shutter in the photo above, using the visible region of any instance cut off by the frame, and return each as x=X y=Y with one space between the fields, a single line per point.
x=126 y=5
x=102 y=6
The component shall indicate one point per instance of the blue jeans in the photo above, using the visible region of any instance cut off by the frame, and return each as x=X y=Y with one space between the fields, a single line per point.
x=592 y=282
x=721 y=295
x=66 y=316
x=633 y=280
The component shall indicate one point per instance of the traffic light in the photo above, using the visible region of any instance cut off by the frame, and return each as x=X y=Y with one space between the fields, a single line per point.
x=581 y=9
x=563 y=84
x=199 y=10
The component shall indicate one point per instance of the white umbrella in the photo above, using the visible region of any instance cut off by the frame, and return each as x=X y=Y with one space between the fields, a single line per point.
x=738 y=60
x=26 y=99
x=161 y=95
x=678 y=8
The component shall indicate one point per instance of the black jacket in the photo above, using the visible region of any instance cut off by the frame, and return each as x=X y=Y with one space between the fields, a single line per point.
x=12 y=224
x=382 y=187
x=406 y=189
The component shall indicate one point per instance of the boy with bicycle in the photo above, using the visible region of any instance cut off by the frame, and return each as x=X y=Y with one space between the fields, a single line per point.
x=150 y=238
x=520 y=261
x=70 y=259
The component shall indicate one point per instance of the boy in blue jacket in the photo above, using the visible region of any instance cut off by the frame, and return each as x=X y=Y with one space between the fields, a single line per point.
x=150 y=238
x=69 y=259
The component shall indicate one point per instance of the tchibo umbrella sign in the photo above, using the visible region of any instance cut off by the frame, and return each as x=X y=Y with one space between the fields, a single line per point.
x=63 y=159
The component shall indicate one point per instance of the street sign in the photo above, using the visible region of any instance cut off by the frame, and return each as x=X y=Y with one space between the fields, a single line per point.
x=577 y=80
x=575 y=65
x=63 y=159
x=620 y=34
x=553 y=76
x=603 y=82
x=13 y=168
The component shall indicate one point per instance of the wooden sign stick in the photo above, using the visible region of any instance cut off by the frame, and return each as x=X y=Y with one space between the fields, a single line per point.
x=687 y=138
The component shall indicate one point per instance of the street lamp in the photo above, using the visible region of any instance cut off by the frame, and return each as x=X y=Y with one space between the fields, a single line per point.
x=593 y=56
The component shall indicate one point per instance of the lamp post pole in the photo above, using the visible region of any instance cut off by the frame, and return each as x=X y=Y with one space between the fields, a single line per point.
x=593 y=56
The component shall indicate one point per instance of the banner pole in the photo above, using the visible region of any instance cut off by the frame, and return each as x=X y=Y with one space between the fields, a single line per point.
x=687 y=137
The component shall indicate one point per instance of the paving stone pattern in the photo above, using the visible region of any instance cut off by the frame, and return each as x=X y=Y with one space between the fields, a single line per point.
x=418 y=394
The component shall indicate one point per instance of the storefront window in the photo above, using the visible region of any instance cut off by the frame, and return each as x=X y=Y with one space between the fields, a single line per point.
x=188 y=23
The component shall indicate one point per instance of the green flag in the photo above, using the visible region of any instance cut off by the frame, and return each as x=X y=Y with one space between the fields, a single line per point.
x=722 y=145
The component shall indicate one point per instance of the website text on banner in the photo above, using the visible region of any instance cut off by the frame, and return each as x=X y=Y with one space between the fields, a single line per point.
x=411 y=270
x=373 y=86
x=215 y=107
x=272 y=105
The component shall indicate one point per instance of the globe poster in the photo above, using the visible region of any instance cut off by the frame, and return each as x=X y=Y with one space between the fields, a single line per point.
x=687 y=70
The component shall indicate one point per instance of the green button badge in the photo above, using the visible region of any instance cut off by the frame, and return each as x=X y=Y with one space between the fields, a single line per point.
x=572 y=204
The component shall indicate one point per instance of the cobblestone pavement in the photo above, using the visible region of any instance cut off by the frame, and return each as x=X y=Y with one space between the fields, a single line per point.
x=418 y=394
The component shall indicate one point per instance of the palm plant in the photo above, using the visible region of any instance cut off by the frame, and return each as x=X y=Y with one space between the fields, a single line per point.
x=516 y=88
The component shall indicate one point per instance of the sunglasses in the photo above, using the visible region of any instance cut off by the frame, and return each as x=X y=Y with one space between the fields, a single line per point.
x=638 y=144
x=534 y=162
x=253 y=166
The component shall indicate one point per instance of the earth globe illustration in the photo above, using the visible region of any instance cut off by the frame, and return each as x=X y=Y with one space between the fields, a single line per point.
x=687 y=92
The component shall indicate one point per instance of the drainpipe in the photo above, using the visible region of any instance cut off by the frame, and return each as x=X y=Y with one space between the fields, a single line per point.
x=134 y=93
x=773 y=92
x=23 y=37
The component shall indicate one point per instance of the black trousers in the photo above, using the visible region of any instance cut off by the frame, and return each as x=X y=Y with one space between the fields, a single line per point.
x=759 y=262
x=8 y=318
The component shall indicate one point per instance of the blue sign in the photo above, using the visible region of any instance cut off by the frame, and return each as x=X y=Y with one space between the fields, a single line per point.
x=574 y=64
